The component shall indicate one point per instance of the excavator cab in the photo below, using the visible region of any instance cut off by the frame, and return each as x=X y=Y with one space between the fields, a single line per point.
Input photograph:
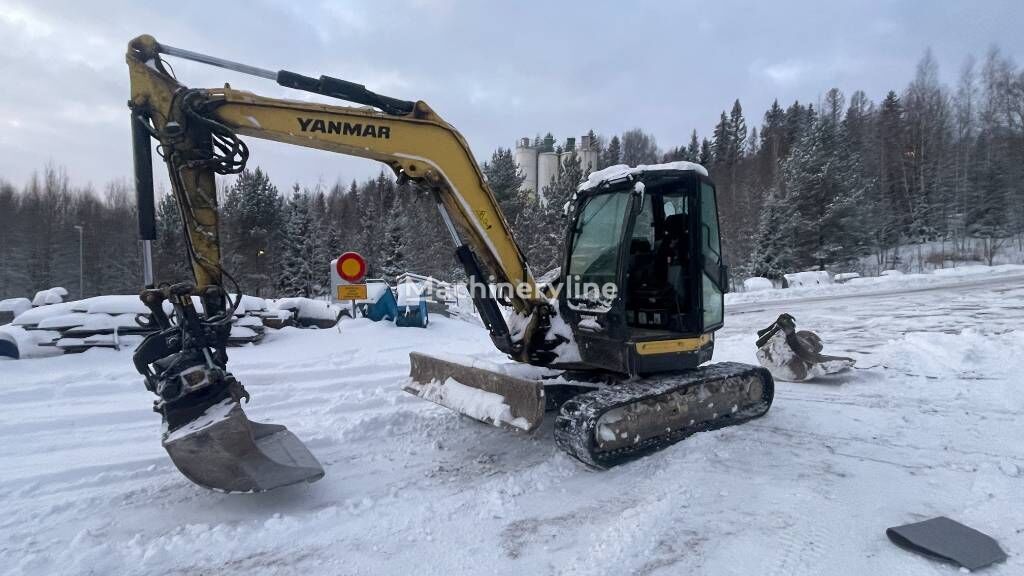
x=644 y=276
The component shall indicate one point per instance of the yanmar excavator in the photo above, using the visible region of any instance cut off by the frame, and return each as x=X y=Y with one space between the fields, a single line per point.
x=627 y=361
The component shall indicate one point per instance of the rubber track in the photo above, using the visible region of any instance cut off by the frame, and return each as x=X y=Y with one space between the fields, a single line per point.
x=576 y=423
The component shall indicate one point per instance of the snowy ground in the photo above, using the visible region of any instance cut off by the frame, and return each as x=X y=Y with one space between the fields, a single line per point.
x=930 y=425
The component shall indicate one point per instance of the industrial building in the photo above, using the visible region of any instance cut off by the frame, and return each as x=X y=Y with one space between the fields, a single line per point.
x=539 y=161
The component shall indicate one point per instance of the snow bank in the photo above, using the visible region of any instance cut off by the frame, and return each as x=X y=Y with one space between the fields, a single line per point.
x=49 y=296
x=36 y=315
x=15 y=306
x=873 y=284
x=306 y=312
x=970 y=354
x=248 y=304
x=111 y=304
x=243 y=332
x=63 y=321
x=29 y=341
x=309 y=308
x=97 y=322
x=757 y=283
x=810 y=278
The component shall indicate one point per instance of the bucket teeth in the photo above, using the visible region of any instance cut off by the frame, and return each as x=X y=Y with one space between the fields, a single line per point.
x=223 y=450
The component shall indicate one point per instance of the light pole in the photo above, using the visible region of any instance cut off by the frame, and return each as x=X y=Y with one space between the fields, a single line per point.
x=81 y=269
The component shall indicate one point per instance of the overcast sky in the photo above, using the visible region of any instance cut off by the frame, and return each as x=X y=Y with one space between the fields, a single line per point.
x=495 y=70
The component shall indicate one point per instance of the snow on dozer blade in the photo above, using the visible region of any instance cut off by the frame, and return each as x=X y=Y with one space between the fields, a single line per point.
x=224 y=450
x=795 y=356
x=478 y=392
x=625 y=421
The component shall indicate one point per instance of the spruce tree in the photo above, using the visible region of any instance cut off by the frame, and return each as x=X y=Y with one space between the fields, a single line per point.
x=612 y=154
x=693 y=148
x=504 y=178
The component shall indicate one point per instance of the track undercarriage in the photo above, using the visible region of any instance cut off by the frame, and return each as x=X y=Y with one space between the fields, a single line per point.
x=604 y=423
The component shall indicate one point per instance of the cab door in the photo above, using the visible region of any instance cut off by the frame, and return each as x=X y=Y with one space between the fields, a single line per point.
x=592 y=296
x=714 y=277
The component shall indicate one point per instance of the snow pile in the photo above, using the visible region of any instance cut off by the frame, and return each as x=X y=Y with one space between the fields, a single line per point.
x=49 y=296
x=112 y=321
x=757 y=283
x=809 y=278
x=970 y=355
x=98 y=322
x=34 y=316
x=305 y=312
x=248 y=304
x=883 y=284
x=30 y=342
x=112 y=304
x=473 y=402
x=845 y=277
x=14 y=306
x=620 y=171
x=63 y=321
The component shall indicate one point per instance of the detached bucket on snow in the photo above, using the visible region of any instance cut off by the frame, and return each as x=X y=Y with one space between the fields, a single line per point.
x=795 y=356
x=224 y=450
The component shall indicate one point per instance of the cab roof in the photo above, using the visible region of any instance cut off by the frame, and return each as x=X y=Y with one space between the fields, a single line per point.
x=624 y=172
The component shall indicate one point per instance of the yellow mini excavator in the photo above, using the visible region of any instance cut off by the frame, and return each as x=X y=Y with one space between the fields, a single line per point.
x=625 y=329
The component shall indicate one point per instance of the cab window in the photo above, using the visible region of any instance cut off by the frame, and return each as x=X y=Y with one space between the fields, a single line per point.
x=712 y=299
x=595 y=244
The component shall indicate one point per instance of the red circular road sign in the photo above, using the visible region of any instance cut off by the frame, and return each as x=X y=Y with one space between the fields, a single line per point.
x=351 y=267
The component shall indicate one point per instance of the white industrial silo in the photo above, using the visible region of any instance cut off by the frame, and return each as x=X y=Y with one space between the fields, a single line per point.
x=587 y=152
x=547 y=170
x=526 y=158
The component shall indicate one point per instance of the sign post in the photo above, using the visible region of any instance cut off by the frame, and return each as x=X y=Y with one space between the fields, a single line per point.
x=348 y=273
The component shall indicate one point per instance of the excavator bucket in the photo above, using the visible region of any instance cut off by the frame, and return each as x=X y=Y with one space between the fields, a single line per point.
x=224 y=450
x=795 y=356
x=478 y=390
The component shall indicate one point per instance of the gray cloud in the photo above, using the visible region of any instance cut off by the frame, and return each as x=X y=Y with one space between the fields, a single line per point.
x=497 y=71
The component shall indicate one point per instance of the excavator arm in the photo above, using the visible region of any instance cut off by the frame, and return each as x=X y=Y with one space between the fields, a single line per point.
x=207 y=434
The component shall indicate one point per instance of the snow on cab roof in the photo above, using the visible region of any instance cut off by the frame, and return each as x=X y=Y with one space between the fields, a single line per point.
x=622 y=170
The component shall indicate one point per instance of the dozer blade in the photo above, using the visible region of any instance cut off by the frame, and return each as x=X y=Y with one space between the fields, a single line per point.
x=627 y=420
x=478 y=390
x=223 y=450
x=795 y=356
